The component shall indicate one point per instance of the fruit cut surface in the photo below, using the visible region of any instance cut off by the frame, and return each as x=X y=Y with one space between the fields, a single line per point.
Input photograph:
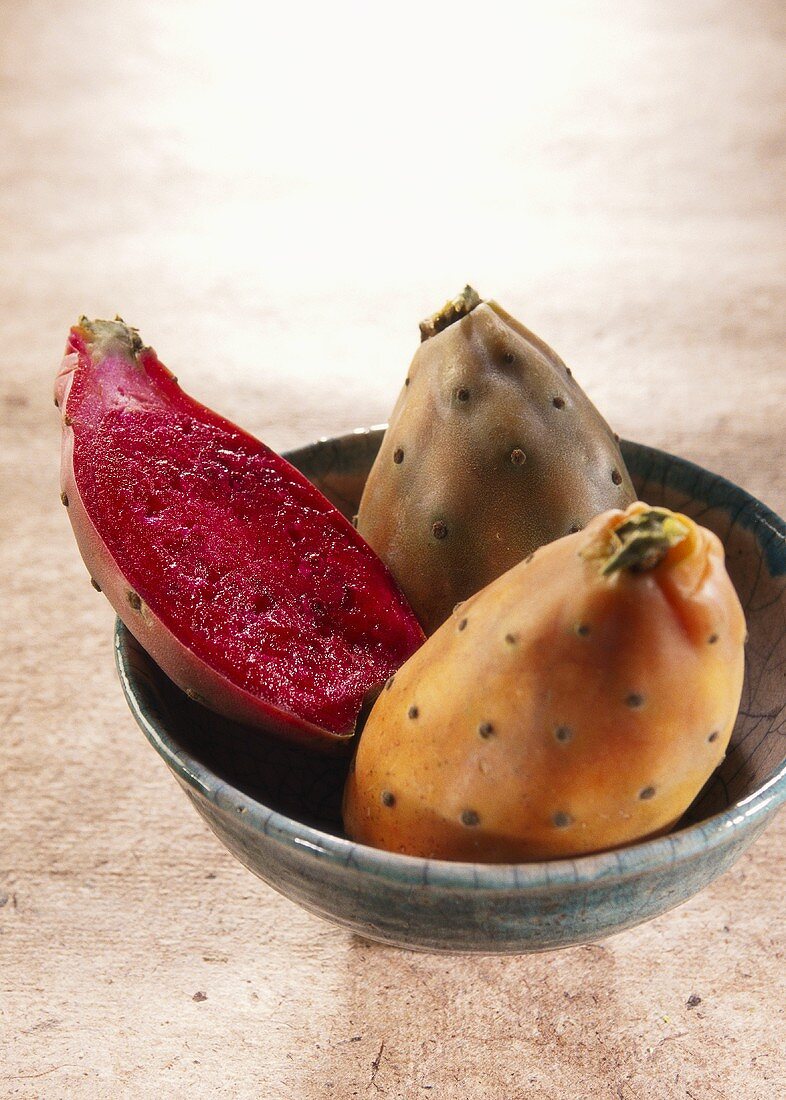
x=239 y=558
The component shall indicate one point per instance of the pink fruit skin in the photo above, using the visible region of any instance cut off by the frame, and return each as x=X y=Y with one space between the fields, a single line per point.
x=189 y=671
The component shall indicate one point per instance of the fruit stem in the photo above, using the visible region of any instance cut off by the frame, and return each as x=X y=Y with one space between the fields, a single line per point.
x=643 y=540
x=453 y=310
x=106 y=336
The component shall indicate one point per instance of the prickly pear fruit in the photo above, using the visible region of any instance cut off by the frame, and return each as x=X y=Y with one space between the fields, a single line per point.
x=249 y=589
x=577 y=703
x=493 y=449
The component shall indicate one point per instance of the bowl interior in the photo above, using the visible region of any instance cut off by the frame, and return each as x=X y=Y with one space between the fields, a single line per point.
x=308 y=787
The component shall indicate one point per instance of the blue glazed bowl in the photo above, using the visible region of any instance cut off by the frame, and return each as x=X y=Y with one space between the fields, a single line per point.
x=276 y=807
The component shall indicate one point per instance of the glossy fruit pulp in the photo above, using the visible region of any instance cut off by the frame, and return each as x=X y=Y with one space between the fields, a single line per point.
x=233 y=549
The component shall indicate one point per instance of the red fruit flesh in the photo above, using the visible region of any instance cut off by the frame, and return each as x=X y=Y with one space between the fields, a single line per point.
x=246 y=585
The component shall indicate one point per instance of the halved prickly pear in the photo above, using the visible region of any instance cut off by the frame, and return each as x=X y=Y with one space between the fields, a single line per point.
x=577 y=703
x=250 y=590
x=492 y=450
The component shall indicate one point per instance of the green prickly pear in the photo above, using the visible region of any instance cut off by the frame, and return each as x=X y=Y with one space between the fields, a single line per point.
x=493 y=449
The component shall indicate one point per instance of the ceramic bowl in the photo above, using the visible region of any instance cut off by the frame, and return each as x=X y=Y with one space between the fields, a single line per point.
x=276 y=808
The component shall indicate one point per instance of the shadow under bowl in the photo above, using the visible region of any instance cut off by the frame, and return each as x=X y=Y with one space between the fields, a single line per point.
x=276 y=807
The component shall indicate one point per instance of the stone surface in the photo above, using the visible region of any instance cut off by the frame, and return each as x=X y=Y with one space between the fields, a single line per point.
x=277 y=207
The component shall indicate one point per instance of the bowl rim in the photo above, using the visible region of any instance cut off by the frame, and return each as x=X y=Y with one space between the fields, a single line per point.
x=647 y=856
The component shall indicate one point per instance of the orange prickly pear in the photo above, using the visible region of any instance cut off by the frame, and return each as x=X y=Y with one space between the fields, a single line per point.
x=577 y=703
x=493 y=449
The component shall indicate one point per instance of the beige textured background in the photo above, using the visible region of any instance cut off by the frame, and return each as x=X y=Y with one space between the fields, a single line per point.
x=276 y=201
